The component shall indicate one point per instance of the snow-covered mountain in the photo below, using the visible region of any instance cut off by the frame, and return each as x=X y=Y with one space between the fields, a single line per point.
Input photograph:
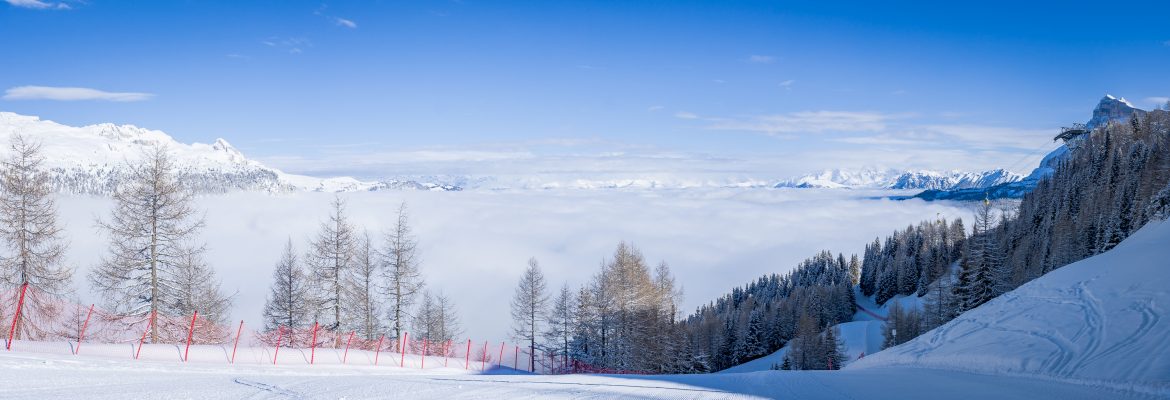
x=898 y=179
x=1110 y=108
x=93 y=159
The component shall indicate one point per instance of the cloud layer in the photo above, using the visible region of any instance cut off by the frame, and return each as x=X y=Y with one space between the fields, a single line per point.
x=71 y=94
x=474 y=245
x=806 y=122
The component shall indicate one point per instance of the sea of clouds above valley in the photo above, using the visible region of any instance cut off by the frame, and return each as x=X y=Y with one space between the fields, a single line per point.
x=475 y=244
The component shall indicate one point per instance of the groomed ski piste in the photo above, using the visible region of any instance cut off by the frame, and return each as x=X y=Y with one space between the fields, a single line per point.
x=1091 y=330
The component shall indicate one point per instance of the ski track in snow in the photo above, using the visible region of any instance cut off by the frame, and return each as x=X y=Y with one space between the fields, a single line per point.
x=266 y=388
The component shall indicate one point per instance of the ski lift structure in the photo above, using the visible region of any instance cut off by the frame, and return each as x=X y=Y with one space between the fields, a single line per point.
x=1071 y=135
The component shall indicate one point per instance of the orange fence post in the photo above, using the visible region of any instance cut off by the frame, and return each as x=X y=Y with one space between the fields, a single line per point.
x=313 y=348
x=345 y=356
x=16 y=317
x=405 y=337
x=378 y=350
x=234 y=346
x=468 y=355
x=516 y=358
x=83 y=327
x=500 y=360
x=190 y=334
x=447 y=353
x=143 y=340
x=423 y=364
x=483 y=362
x=279 y=338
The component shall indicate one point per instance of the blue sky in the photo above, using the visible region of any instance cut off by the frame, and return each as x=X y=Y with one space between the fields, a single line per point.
x=379 y=88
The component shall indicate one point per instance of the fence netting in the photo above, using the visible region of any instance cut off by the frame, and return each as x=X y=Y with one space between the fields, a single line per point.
x=49 y=323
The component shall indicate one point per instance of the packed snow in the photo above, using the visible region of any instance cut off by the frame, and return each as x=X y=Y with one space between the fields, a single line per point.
x=25 y=375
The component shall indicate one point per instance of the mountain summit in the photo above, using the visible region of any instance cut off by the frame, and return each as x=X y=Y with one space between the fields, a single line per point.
x=1109 y=109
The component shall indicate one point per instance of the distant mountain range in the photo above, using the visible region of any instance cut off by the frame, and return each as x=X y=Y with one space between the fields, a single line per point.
x=93 y=160
x=901 y=179
x=1108 y=109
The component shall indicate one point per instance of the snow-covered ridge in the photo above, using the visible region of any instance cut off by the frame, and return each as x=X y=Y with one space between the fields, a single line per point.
x=871 y=178
x=93 y=159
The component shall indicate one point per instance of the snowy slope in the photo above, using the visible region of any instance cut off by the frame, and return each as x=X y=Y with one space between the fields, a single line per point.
x=51 y=376
x=1099 y=320
x=93 y=159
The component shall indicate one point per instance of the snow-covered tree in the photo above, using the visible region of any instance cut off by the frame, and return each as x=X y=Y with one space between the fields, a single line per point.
x=530 y=308
x=33 y=247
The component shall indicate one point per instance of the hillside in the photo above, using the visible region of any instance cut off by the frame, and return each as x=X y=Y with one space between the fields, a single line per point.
x=1098 y=321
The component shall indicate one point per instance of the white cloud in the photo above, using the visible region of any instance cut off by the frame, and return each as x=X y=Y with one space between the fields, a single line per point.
x=807 y=122
x=787 y=84
x=38 y=4
x=345 y=22
x=719 y=81
x=685 y=115
x=758 y=59
x=1158 y=101
x=992 y=137
x=655 y=108
x=293 y=45
x=71 y=94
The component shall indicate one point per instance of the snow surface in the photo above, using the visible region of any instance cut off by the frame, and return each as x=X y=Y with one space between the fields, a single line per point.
x=59 y=376
x=1099 y=320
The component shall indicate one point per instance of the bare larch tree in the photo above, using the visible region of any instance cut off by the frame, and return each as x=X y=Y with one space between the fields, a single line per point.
x=330 y=260
x=151 y=230
x=30 y=236
x=529 y=308
x=288 y=302
x=367 y=279
x=403 y=279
